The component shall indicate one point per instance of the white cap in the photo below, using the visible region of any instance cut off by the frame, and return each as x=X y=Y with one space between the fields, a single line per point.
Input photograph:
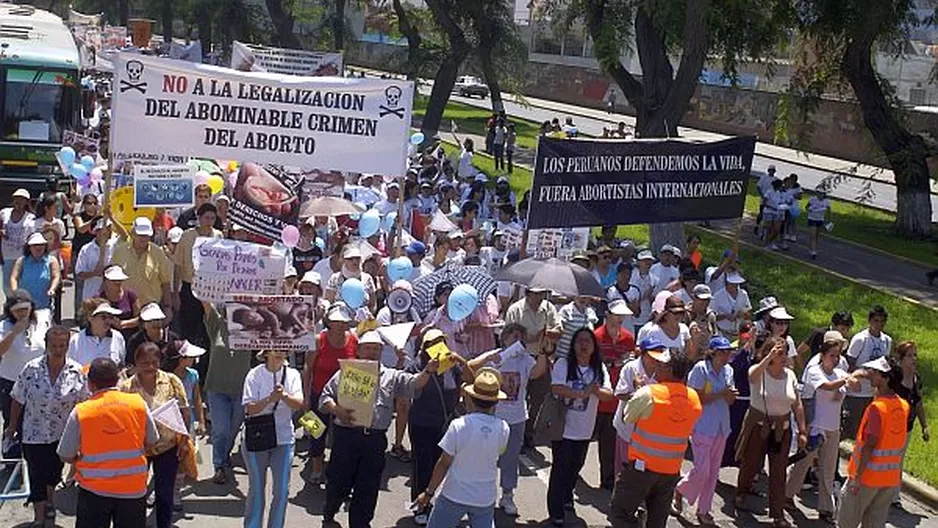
x=879 y=364
x=21 y=193
x=115 y=273
x=455 y=234
x=289 y=272
x=645 y=255
x=734 y=278
x=667 y=247
x=677 y=252
x=312 y=277
x=481 y=177
x=370 y=338
x=175 y=234
x=352 y=252
x=105 y=308
x=619 y=307
x=152 y=312
x=101 y=224
x=780 y=314
x=36 y=239
x=143 y=226
x=189 y=350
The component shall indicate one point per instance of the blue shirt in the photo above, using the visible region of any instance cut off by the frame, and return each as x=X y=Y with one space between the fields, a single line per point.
x=715 y=420
x=36 y=277
x=189 y=381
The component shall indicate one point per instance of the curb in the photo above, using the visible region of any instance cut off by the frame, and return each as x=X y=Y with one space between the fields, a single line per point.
x=921 y=491
x=815 y=267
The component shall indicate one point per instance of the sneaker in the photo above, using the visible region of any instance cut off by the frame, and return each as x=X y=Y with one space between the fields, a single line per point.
x=814 y=255
x=507 y=504
x=422 y=518
x=772 y=247
x=219 y=477
x=400 y=453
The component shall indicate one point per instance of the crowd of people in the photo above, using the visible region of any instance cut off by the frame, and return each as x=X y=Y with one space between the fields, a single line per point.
x=673 y=354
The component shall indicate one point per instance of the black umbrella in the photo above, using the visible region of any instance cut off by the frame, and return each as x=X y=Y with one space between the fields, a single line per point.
x=455 y=274
x=552 y=274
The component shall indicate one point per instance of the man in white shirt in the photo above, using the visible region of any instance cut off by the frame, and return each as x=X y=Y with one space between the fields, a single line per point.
x=94 y=257
x=645 y=281
x=469 y=462
x=665 y=270
x=731 y=304
x=867 y=345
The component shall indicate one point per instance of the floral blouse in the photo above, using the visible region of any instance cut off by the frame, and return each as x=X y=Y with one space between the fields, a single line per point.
x=168 y=386
x=46 y=403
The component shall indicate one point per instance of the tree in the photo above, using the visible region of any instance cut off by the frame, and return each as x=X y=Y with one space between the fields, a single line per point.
x=449 y=18
x=281 y=16
x=499 y=48
x=166 y=18
x=840 y=38
x=727 y=30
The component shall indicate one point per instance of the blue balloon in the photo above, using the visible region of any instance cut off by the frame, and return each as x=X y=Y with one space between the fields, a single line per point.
x=400 y=269
x=795 y=210
x=389 y=220
x=462 y=302
x=353 y=293
x=417 y=138
x=369 y=223
x=87 y=162
x=320 y=244
x=67 y=154
x=78 y=171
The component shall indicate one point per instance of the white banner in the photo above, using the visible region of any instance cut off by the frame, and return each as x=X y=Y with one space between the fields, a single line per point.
x=225 y=267
x=80 y=19
x=560 y=242
x=115 y=38
x=167 y=107
x=251 y=57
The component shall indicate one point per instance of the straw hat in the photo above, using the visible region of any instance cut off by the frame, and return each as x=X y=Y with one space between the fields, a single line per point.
x=487 y=386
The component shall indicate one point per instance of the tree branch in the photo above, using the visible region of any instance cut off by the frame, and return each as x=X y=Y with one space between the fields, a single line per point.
x=608 y=56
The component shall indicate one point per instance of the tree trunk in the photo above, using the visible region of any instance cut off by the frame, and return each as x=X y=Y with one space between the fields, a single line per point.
x=491 y=79
x=907 y=152
x=204 y=22
x=283 y=25
x=338 y=26
x=123 y=10
x=166 y=15
x=414 y=40
x=443 y=84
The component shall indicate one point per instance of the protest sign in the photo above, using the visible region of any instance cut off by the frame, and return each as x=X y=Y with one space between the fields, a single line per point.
x=313 y=424
x=252 y=57
x=115 y=38
x=265 y=199
x=559 y=243
x=80 y=19
x=582 y=183
x=227 y=267
x=358 y=388
x=279 y=322
x=396 y=335
x=164 y=186
x=170 y=416
x=358 y=125
x=83 y=145
x=123 y=210
x=443 y=354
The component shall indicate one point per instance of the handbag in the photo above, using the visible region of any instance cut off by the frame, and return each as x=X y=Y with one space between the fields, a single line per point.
x=260 y=430
x=550 y=422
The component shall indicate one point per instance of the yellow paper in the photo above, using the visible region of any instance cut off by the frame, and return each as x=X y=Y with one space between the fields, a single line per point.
x=313 y=425
x=443 y=354
x=366 y=326
x=358 y=388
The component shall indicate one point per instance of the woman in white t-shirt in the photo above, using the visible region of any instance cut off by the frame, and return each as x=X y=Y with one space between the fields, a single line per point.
x=766 y=428
x=517 y=367
x=668 y=328
x=825 y=385
x=580 y=380
x=271 y=388
x=22 y=338
x=818 y=207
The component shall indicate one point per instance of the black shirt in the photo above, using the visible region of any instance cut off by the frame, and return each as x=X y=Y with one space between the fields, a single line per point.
x=81 y=239
x=140 y=337
x=188 y=219
x=913 y=396
x=305 y=259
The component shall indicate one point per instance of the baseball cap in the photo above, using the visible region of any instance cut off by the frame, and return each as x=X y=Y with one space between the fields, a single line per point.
x=501 y=180
x=481 y=177
x=152 y=312
x=645 y=254
x=720 y=343
x=312 y=277
x=416 y=248
x=352 y=252
x=175 y=234
x=833 y=336
x=702 y=291
x=21 y=193
x=394 y=185
x=188 y=350
x=781 y=314
x=143 y=226
x=115 y=273
x=455 y=234
x=289 y=272
x=105 y=308
x=734 y=278
x=667 y=248
x=879 y=365
x=619 y=307
x=432 y=335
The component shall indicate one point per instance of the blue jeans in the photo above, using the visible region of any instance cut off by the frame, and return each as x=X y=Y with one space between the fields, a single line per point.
x=279 y=460
x=508 y=461
x=447 y=514
x=227 y=415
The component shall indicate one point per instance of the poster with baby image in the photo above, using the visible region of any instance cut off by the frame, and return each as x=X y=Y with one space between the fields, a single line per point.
x=262 y=322
x=227 y=267
x=267 y=198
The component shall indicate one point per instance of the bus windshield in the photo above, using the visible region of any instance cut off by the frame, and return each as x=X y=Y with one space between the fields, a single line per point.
x=38 y=104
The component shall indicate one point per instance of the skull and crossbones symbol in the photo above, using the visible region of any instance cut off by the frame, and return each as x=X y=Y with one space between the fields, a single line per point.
x=134 y=71
x=393 y=96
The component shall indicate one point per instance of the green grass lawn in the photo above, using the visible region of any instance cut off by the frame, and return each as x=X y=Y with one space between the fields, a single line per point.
x=852 y=222
x=812 y=296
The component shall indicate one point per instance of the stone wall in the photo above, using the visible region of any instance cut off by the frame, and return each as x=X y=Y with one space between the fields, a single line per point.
x=837 y=127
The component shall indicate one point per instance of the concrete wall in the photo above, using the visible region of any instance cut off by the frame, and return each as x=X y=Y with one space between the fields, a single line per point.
x=837 y=127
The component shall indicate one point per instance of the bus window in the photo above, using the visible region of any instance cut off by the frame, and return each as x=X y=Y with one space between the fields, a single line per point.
x=38 y=104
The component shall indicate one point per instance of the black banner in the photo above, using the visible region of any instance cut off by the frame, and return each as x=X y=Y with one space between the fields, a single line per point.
x=580 y=183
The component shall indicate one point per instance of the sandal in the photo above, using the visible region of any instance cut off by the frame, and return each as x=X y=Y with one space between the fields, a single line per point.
x=781 y=523
x=705 y=519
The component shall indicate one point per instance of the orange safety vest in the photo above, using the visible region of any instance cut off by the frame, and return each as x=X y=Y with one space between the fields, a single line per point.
x=884 y=469
x=661 y=439
x=112 y=437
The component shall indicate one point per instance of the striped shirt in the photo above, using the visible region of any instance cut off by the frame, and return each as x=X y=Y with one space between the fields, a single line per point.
x=571 y=320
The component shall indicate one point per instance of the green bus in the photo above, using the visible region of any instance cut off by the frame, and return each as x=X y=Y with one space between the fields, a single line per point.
x=41 y=96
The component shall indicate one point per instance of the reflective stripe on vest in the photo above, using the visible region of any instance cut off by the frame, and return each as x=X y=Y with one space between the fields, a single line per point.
x=884 y=469
x=112 y=433
x=661 y=439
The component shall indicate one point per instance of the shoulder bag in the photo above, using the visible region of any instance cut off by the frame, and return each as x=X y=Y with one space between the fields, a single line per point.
x=260 y=430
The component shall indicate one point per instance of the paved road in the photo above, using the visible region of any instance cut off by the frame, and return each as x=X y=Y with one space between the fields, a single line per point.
x=221 y=506
x=811 y=170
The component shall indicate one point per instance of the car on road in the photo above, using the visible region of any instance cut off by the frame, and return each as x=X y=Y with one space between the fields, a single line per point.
x=469 y=86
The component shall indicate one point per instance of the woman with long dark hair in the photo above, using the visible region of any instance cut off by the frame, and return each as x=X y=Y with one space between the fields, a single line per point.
x=580 y=380
x=910 y=389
